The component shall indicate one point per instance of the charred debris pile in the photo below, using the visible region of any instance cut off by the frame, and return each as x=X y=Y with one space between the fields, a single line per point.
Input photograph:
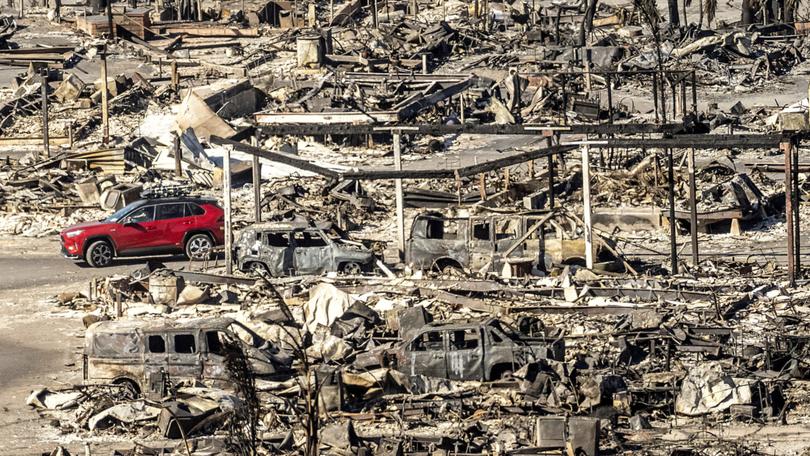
x=458 y=227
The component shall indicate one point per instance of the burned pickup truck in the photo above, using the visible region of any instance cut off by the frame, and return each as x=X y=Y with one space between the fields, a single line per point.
x=288 y=248
x=474 y=350
x=493 y=241
x=146 y=356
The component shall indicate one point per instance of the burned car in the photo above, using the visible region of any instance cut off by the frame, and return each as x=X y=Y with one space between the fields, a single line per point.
x=288 y=248
x=475 y=242
x=146 y=355
x=473 y=350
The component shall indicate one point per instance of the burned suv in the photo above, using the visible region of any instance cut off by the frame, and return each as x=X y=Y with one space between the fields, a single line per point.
x=471 y=350
x=295 y=248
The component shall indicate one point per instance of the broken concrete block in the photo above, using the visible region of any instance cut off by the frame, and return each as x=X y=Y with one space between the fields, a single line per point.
x=70 y=89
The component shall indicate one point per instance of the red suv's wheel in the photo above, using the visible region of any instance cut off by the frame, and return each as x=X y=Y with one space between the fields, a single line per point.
x=199 y=246
x=99 y=254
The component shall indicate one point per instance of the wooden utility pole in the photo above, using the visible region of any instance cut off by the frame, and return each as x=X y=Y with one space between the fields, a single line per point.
x=226 y=192
x=46 y=142
x=586 y=205
x=105 y=108
x=399 y=198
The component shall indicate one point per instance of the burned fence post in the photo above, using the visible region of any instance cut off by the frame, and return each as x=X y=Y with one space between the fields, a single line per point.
x=673 y=248
x=586 y=205
x=400 y=201
x=693 y=207
x=791 y=260
x=226 y=189
x=45 y=140
x=257 y=182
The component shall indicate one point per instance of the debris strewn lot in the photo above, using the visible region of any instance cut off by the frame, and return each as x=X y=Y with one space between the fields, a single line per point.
x=405 y=227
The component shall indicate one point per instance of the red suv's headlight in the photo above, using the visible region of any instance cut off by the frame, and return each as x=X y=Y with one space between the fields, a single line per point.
x=73 y=234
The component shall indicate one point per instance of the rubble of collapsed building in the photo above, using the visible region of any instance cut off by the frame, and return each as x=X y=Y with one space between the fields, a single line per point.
x=451 y=227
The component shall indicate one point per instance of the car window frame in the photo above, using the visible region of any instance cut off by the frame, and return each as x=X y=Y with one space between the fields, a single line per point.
x=177 y=203
x=125 y=219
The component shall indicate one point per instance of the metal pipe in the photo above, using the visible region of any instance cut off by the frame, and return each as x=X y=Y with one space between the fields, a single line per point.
x=226 y=189
x=257 y=182
x=673 y=248
x=400 y=200
x=693 y=207
x=105 y=108
x=550 y=175
x=586 y=205
x=796 y=200
x=786 y=149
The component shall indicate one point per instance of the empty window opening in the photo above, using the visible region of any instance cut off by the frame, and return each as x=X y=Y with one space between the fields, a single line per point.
x=428 y=341
x=185 y=343
x=464 y=339
x=157 y=344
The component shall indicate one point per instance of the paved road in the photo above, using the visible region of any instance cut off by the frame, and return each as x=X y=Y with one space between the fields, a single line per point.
x=40 y=343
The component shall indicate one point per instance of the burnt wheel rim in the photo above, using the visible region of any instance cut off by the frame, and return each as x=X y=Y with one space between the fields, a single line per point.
x=199 y=247
x=101 y=255
x=352 y=269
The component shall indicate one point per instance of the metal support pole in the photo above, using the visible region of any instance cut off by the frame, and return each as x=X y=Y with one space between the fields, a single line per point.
x=693 y=207
x=791 y=259
x=586 y=205
x=226 y=195
x=550 y=175
x=45 y=140
x=399 y=198
x=105 y=107
x=257 y=183
x=694 y=94
x=424 y=64
x=797 y=239
x=673 y=249
x=655 y=95
x=610 y=98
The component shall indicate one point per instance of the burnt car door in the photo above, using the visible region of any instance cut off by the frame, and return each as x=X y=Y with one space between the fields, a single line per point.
x=156 y=362
x=184 y=356
x=313 y=252
x=276 y=252
x=434 y=239
x=465 y=354
x=425 y=354
x=480 y=242
x=213 y=359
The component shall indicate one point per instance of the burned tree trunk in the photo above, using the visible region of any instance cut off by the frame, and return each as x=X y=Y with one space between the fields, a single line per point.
x=674 y=15
x=587 y=22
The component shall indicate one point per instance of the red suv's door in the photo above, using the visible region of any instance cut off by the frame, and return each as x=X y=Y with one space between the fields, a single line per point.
x=137 y=231
x=175 y=220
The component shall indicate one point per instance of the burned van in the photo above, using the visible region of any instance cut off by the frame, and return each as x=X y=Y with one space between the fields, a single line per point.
x=490 y=241
x=291 y=248
x=146 y=355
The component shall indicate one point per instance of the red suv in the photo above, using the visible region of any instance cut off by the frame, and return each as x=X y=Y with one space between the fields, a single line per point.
x=152 y=226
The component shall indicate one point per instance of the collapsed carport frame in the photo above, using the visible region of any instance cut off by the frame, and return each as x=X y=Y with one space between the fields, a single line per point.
x=670 y=140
